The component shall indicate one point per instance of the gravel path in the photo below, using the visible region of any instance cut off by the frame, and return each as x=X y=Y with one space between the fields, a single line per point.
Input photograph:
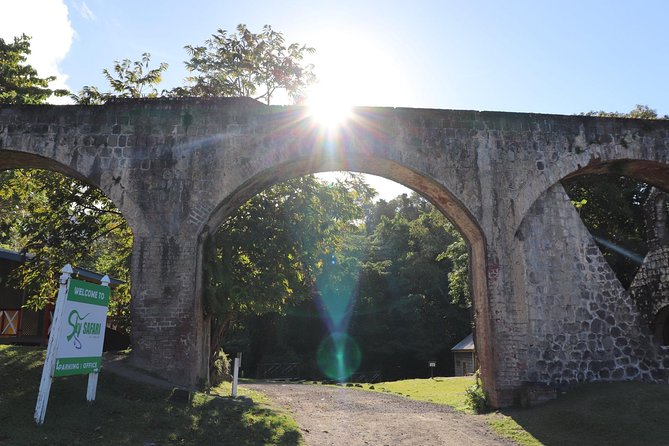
x=343 y=416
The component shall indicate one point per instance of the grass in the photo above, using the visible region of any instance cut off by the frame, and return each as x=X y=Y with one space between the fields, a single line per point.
x=126 y=413
x=611 y=414
x=448 y=391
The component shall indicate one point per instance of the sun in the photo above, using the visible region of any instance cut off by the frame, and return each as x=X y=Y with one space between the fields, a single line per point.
x=329 y=106
x=353 y=70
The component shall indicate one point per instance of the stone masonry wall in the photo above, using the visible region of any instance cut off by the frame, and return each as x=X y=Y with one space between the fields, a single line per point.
x=651 y=284
x=583 y=325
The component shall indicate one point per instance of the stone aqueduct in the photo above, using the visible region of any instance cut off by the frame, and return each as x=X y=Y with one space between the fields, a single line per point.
x=547 y=307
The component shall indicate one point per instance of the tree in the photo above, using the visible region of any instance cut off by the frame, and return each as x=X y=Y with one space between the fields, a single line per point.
x=266 y=256
x=247 y=64
x=638 y=112
x=409 y=278
x=129 y=80
x=19 y=82
x=50 y=218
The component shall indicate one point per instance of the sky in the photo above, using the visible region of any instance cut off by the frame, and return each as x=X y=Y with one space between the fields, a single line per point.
x=561 y=57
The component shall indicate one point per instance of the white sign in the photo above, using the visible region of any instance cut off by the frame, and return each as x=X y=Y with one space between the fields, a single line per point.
x=76 y=337
x=82 y=333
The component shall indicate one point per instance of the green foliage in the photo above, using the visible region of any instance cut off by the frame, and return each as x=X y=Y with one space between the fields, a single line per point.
x=385 y=283
x=19 y=82
x=221 y=368
x=638 y=112
x=247 y=64
x=611 y=208
x=128 y=80
x=475 y=397
x=265 y=257
x=56 y=220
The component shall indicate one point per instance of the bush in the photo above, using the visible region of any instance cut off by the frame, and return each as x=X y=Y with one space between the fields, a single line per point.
x=221 y=369
x=475 y=397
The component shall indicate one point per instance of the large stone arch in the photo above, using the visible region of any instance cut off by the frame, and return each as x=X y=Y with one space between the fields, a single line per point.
x=430 y=189
x=173 y=166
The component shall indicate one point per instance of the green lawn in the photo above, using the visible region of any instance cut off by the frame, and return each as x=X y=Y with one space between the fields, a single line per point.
x=449 y=391
x=611 y=414
x=126 y=413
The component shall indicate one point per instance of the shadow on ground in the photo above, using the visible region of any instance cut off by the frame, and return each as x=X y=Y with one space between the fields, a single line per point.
x=612 y=414
x=125 y=412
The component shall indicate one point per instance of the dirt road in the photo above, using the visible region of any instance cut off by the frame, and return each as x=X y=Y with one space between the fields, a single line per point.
x=331 y=415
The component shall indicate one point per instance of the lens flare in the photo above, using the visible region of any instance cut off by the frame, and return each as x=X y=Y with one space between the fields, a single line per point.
x=338 y=356
x=620 y=250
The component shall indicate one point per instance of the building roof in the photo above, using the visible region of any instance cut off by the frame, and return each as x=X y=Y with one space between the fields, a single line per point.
x=81 y=273
x=466 y=345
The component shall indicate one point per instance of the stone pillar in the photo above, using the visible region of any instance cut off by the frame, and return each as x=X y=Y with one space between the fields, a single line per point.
x=655 y=210
x=167 y=319
x=650 y=287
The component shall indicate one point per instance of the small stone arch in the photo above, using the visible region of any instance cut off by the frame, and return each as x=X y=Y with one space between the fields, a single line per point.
x=11 y=159
x=588 y=327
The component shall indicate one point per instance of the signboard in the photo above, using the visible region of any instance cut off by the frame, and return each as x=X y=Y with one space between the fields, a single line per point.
x=81 y=335
x=433 y=363
x=76 y=336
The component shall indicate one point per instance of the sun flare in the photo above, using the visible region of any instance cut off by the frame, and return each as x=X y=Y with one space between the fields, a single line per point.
x=328 y=106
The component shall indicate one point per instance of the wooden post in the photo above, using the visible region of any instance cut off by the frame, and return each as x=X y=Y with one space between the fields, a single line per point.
x=50 y=361
x=93 y=377
x=235 y=374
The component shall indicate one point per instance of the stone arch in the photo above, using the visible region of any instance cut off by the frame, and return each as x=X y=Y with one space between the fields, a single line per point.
x=430 y=189
x=10 y=159
x=590 y=329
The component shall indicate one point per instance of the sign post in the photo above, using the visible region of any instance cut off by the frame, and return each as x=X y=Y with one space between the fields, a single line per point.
x=235 y=373
x=77 y=335
x=432 y=365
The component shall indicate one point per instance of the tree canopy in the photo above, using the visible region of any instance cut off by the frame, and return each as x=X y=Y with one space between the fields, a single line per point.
x=130 y=79
x=19 y=82
x=250 y=64
x=385 y=282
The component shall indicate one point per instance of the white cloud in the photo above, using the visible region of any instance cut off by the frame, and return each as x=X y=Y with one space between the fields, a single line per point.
x=47 y=22
x=84 y=11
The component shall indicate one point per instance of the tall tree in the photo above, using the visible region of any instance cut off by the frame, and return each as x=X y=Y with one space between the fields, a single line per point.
x=19 y=82
x=247 y=64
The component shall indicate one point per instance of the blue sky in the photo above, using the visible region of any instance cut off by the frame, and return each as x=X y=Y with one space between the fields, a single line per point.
x=537 y=56
x=533 y=56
